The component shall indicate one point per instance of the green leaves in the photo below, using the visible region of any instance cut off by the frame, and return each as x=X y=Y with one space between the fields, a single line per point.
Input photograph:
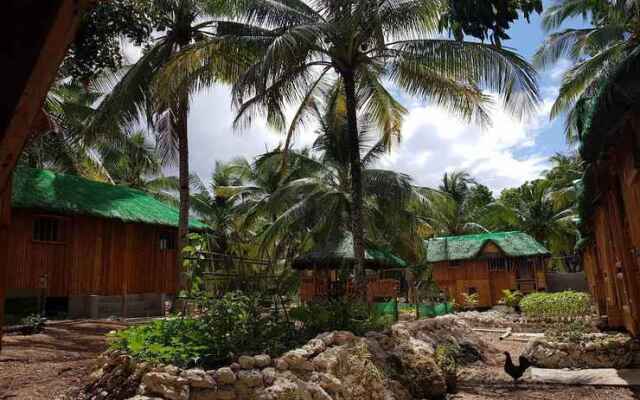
x=562 y=306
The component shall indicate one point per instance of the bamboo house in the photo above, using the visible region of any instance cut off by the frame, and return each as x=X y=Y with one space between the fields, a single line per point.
x=95 y=248
x=610 y=198
x=486 y=264
x=326 y=271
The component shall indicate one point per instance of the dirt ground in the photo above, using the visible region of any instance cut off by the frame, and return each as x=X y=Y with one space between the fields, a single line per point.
x=482 y=381
x=54 y=364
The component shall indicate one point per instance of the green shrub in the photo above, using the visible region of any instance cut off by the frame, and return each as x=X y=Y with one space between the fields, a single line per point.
x=470 y=301
x=511 y=298
x=338 y=314
x=239 y=324
x=230 y=326
x=556 y=306
x=573 y=332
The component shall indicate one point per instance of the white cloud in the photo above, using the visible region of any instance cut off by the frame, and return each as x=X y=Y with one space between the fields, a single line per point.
x=434 y=142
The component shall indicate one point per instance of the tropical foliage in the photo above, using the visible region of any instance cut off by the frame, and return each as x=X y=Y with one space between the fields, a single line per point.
x=361 y=45
x=610 y=40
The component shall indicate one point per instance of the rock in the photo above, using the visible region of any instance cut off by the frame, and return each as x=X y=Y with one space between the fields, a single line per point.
x=235 y=366
x=295 y=358
x=416 y=368
x=250 y=378
x=281 y=364
x=166 y=385
x=246 y=362
x=262 y=360
x=285 y=389
x=610 y=351
x=172 y=369
x=204 y=394
x=315 y=346
x=226 y=393
x=198 y=378
x=141 y=397
x=326 y=337
x=225 y=376
x=342 y=337
x=268 y=376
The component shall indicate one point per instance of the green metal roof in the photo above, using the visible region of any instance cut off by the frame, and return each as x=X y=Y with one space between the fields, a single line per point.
x=466 y=247
x=339 y=253
x=71 y=194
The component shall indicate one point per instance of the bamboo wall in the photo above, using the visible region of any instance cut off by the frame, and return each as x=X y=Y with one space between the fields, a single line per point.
x=456 y=280
x=612 y=262
x=97 y=256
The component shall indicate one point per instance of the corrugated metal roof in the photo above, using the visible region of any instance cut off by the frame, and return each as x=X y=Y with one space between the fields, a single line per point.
x=71 y=194
x=466 y=247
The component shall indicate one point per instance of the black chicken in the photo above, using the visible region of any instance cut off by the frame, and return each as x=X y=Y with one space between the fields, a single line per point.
x=514 y=371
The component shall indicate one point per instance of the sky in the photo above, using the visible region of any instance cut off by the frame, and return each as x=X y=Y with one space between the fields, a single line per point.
x=506 y=154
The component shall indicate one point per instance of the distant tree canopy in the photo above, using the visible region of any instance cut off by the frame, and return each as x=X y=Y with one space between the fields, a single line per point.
x=97 y=46
x=486 y=19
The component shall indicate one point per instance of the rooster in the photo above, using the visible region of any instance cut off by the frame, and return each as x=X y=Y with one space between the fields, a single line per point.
x=514 y=371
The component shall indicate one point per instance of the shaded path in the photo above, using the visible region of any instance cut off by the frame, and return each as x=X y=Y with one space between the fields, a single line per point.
x=54 y=364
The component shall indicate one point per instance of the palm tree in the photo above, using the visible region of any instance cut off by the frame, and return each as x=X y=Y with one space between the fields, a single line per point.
x=364 y=44
x=534 y=210
x=152 y=88
x=318 y=201
x=595 y=51
x=454 y=208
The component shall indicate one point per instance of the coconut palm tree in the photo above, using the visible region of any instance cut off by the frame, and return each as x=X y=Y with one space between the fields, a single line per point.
x=367 y=44
x=594 y=52
x=318 y=201
x=535 y=211
x=148 y=87
x=454 y=208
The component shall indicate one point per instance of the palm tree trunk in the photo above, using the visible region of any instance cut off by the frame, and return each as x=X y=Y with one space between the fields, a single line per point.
x=183 y=166
x=357 y=224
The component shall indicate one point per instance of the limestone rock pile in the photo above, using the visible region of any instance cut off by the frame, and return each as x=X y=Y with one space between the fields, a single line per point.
x=397 y=364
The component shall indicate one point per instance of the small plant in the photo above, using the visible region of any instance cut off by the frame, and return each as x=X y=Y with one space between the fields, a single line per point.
x=511 y=298
x=32 y=324
x=563 y=306
x=470 y=300
x=446 y=358
x=572 y=332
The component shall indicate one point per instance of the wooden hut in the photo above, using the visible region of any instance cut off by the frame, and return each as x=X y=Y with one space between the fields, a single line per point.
x=610 y=197
x=98 y=248
x=327 y=271
x=487 y=264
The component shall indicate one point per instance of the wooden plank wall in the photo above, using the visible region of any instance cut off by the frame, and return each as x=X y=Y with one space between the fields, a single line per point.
x=99 y=256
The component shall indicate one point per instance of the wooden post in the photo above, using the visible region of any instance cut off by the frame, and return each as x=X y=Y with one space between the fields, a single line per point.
x=38 y=34
x=5 y=221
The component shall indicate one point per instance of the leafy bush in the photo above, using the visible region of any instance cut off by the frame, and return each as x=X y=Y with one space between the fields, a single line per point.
x=470 y=300
x=573 y=332
x=556 y=306
x=511 y=299
x=32 y=324
x=338 y=314
x=230 y=326
x=239 y=324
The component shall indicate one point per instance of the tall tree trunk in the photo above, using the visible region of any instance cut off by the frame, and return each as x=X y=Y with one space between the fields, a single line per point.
x=183 y=165
x=357 y=222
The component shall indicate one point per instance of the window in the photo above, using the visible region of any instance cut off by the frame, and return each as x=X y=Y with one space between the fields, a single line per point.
x=47 y=229
x=455 y=263
x=168 y=241
x=472 y=291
